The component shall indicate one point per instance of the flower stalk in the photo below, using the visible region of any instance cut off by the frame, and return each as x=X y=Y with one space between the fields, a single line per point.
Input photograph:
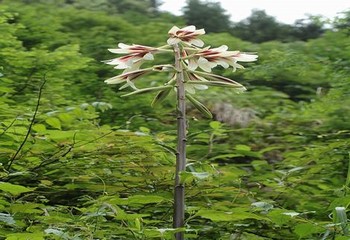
x=179 y=188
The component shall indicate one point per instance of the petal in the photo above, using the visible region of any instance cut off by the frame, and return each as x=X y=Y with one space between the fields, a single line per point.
x=173 y=30
x=246 y=57
x=222 y=63
x=197 y=42
x=200 y=87
x=190 y=28
x=122 y=66
x=114 y=50
x=200 y=31
x=205 y=64
x=133 y=66
x=123 y=45
x=229 y=53
x=173 y=41
x=148 y=56
x=222 y=48
x=192 y=65
x=114 y=61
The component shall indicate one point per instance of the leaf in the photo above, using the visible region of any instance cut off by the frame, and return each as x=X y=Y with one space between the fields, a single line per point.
x=218 y=216
x=190 y=176
x=5 y=89
x=147 y=90
x=203 y=109
x=54 y=122
x=259 y=164
x=215 y=124
x=242 y=147
x=307 y=229
x=279 y=216
x=7 y=218
x=145 y=199
x=26 y=208
x=39 y=128
x=13 y=189
x=263 y=206
x=59 y=233
x=145 y=130
x=65 y=117
x=245 y=236
x=217 y=84
x=219 y=78
x=25 y=236
x=160 y=97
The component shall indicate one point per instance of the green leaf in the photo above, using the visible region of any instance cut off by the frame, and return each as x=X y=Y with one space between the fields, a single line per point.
x=26 y=208
x=145 y=199
x=160 y=96
x=39 y=128
x=219 y=78
x=53 y=122
x=279 y=216
x=265 y=206
x=6 y=89
x=65 y=117
x=215 y=124
x=218 y=216
x=145 y=130
x=260 y=164
x=217 y=84
x=25 y=236
x=246 y=236
x=200 y=106
x=190 y=176
x=307 y=229
x=13 y=189
x=341 y=238
x=242 y=147
x=147 y=90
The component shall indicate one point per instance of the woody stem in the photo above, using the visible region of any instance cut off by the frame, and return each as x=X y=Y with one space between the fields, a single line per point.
x=179 y=188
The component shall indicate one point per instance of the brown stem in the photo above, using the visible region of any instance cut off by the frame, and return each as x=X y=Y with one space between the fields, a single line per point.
x=179 y=189
x=13 y=158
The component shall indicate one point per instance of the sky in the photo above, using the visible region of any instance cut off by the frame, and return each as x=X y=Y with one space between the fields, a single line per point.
x=285 y=11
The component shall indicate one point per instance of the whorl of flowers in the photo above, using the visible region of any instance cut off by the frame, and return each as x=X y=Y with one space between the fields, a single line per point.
x=194 y=58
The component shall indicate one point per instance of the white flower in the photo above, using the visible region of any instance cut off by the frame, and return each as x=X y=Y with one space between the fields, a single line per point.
x=208 y=58
x=187 y=34
x=136 y=55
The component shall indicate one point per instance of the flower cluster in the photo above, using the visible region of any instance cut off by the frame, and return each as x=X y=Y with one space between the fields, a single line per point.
x=208 y=58
x=194 y=58
x=136 y=55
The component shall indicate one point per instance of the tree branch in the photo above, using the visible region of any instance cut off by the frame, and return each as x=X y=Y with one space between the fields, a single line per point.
x=30 y=126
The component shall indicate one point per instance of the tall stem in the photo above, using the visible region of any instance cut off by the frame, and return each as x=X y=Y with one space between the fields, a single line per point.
x=179 y=189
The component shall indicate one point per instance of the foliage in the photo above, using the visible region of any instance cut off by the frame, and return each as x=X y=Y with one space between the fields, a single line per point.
x=260 y=27
x=208 y=15
x=273 y=164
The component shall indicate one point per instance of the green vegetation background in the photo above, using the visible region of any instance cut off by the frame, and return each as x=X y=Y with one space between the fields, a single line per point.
x=79 y=162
